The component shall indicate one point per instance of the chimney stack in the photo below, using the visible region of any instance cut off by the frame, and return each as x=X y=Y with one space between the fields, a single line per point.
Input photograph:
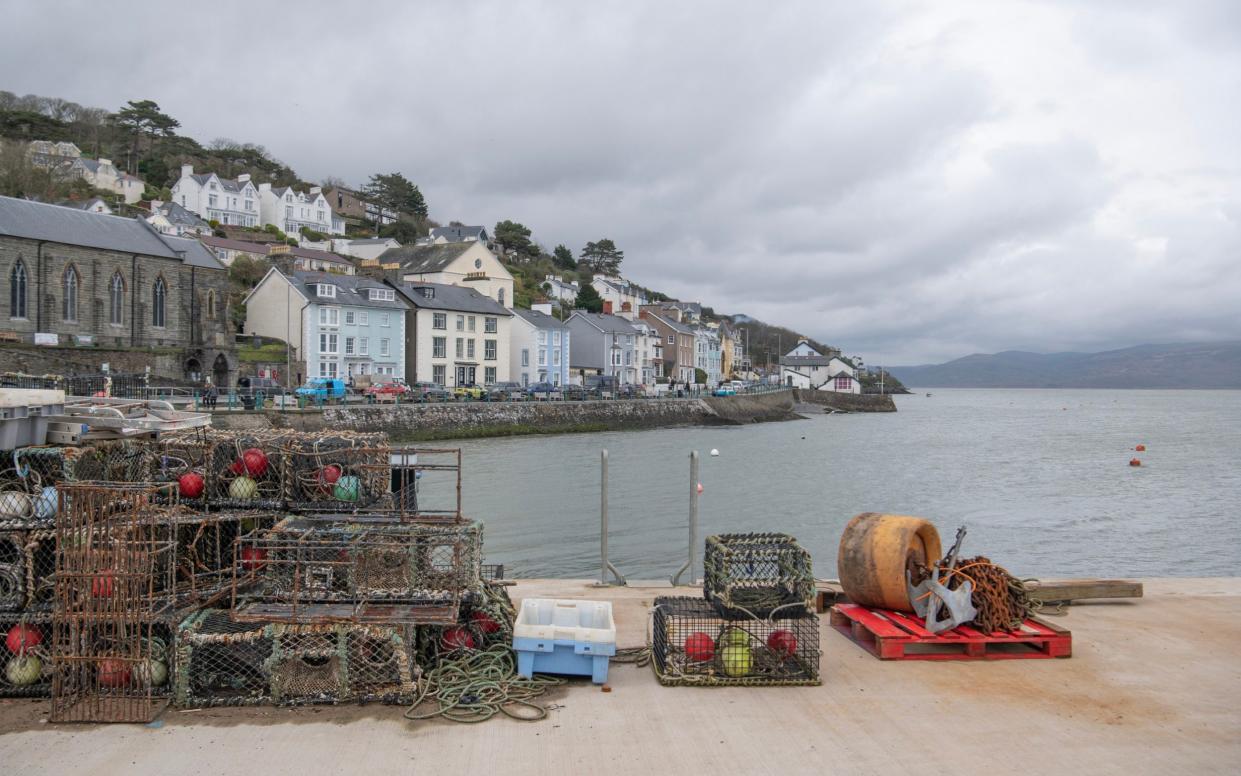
x=243 y=178
x=316 y=190
x=187 y=170
x=542 y=307
x=607 y=307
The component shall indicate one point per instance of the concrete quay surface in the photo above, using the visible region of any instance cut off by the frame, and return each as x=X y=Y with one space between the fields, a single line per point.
x=1152 y=687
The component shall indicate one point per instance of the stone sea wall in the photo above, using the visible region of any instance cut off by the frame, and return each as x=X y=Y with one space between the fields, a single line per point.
x=846 y=402
x=457 y=420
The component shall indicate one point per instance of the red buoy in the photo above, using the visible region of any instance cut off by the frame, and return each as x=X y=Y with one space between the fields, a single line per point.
x=1134 y=462
x=1140 y=448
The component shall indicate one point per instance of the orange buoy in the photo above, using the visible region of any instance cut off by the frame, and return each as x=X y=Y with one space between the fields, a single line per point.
x=875 y=552
x=1140 y=448
x=1134 y=462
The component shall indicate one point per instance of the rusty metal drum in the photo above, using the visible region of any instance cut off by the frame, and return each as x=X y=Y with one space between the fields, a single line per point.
x=875 y=551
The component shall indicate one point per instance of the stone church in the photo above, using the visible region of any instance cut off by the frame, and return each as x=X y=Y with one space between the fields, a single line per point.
x=112 y=282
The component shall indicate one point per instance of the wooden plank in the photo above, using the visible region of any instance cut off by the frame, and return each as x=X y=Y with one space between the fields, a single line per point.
x=1050 y=590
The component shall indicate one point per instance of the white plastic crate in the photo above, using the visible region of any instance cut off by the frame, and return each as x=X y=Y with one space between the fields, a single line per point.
x=561 y=636
x=24 y=415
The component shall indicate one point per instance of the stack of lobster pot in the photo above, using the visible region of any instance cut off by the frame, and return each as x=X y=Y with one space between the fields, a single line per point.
x=755 y=623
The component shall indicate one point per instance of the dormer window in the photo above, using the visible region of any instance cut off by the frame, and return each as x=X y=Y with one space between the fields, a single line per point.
x=326 y=290
x=427 y=292
x=383 y=295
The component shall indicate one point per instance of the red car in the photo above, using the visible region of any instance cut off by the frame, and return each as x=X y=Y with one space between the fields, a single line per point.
x=388 y=390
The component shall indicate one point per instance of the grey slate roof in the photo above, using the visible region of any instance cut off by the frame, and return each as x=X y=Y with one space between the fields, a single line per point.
x=193 y=252
x=179 y=215
x=419 y=259
x=372 y=240
x=541 y=320
x=605 y=322
x=258 y=249
x=350 y=289
x=805 y=360
x=68 y=226
x=459 y=233
x=668 y=321
x=453 y=298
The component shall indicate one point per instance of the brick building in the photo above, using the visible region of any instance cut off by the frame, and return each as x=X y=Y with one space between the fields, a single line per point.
x=117 y=282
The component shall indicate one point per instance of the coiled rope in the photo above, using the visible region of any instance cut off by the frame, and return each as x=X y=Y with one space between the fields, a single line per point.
x=477 y=685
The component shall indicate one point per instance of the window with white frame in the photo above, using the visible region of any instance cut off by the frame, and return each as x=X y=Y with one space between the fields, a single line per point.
x=460 y=347
x=326 y=290
x=383 y=346
x=525 y=356
x=439 y=347
x=555 y=337
x=489 y=350
x=671 y=339
x=349 y=346
x=329 y=316
x=489 y=375
x=556 y=357
x=382 y=295
x=469 y=349
x=460 y=323
x=385 y=319
x=349 y=317
x=439 y=321
x=542 y=356
x=327 y=343
x=364 y=319
x=364 y=346
x=438 y=374
x=471 y=322
x=542 y=338
x=490 y=325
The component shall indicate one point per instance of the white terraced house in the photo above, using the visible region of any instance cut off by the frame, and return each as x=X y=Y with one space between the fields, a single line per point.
x=455 y=336
x=341 y=325
x=230 y=202
x=289 y=210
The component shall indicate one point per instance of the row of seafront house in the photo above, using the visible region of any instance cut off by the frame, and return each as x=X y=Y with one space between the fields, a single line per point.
x=439 y=311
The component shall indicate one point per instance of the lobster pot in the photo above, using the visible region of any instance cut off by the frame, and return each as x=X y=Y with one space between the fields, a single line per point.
x=27 y=566
x=334 y=663
x=205 y=548
x=110 y=461
x=28 y=479
x=178 y=453
x=25 y=642
x=344 y=473
x=693 y=645
x=755 y=574
x=306 y=569
x=221 y=662
x=247 y=470
x=109 y=669
x=493 y=572
x=114 y=554
x=485 y=620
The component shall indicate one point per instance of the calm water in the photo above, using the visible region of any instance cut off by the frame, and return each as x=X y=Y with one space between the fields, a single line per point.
x=1040 y=477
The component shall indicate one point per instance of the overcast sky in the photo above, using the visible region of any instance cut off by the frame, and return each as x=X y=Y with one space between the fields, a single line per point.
x=909 y=182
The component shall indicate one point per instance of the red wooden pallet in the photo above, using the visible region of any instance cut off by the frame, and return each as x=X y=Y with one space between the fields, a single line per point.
x=899 y=636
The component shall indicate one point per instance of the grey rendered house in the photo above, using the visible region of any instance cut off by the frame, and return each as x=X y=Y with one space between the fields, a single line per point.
x=603 y=345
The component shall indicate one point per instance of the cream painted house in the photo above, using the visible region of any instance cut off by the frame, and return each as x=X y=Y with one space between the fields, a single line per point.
x=469 y=264
x=455 y=336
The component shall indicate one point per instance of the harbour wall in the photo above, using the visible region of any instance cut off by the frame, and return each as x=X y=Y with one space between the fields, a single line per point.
x=460 y=420
x=846 y=402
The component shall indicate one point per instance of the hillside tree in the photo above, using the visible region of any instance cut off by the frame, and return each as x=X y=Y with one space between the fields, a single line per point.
x=588 y=299
x=515 y=236
x=396 y=192
x=603 y=257
x=563 y=258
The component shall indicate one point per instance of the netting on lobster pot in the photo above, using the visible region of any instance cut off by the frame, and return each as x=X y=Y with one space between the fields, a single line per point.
x=485 y=620
x=28 y=479
x=318 y=569
x=109 y=668
x=335 y=663
x=183 y=459
x=110 y=461
x=206 y=549
x=221 y=662
x=27 y=566
x=247 y=470
x=341 y=472
x=755 y=573
x=692 y=644
x=25 y=654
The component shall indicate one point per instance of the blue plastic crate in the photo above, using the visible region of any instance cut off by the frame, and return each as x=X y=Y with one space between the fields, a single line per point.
x=564 y=637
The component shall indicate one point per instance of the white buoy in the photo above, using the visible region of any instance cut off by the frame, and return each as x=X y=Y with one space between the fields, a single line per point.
x=714 y=452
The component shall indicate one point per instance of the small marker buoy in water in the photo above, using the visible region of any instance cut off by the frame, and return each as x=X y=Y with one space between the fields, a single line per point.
x=714 y=453
x=1134 y=462
x=1140 y=448
x=700 y=487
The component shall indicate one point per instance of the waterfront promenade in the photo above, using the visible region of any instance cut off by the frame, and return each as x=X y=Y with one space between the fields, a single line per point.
x=1151 y=688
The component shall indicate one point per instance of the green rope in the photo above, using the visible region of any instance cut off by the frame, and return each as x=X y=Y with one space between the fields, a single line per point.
x=476 y=685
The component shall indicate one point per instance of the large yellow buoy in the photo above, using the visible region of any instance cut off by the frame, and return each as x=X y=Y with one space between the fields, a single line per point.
x=875 y=551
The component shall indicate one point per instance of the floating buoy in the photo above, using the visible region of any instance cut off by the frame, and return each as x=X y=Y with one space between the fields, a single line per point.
x=1140 y=448
x=714 y=452
x=700 y=487
x=1134 y=462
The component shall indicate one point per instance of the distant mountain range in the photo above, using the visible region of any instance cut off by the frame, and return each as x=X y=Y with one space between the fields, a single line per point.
x=1194 y=365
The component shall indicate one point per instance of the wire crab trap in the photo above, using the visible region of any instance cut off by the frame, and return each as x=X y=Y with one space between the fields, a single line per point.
x=205 y=550
x=27 y=566
x=183 y=458
x=693 y=645
x=28 y=478
x=24 y=654
x=753 y=574
x=426 y=484
x=316 y=570
x=340 y=473
x=485 y=621
x=247 y=471
x=221 y=662
x=121 y=460
x=111 y=669
x=114 y=555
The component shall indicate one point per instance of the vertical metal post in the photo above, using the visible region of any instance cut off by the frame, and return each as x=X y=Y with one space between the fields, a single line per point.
x=692 y=563
x=604 y=565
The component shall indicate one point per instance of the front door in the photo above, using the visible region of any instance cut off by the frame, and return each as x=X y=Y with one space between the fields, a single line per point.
x=460 y=375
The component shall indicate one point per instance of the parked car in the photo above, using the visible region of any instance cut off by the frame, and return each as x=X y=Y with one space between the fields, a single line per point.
x=388 y=390
x=574 y=393
x=470 y=391
x=599 y=384
x=429 y=392
x=542 y=390
x=323 y=389
x=505 y=392
x=248 y=386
